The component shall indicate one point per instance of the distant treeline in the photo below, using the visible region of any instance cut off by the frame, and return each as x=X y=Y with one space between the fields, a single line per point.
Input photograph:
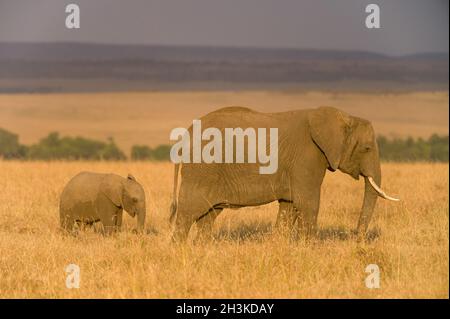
x=54 y=147
x=434 y=149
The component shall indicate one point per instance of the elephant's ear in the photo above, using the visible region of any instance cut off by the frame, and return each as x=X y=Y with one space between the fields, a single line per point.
x=112 y=187
x=329 y=130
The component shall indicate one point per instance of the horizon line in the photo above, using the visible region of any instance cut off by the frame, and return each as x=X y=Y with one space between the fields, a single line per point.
x=229 y=47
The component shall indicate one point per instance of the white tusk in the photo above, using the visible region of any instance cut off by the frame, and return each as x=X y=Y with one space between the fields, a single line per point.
x=380 y=191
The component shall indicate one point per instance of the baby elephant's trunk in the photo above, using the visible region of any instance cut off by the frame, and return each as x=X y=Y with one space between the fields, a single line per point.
x=141 y=220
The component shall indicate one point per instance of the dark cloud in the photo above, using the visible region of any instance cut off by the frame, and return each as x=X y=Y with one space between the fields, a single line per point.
x=407 y=26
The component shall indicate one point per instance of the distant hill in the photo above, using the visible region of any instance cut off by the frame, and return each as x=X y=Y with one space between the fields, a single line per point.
x=78 y=67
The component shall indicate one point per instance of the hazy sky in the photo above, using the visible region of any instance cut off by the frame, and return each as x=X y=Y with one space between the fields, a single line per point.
x=407 y=26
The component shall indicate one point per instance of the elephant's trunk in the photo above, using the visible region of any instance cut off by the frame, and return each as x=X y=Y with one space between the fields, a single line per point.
x=372 y=178
x=141 y=219
x=370 y=199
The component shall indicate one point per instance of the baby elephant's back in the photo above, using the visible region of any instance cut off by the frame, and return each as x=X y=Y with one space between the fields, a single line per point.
x=82 y=189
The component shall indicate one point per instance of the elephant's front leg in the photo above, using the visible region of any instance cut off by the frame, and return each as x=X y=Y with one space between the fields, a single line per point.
x=108 y=228
x=113 y=223
x=183 y=224
x=308 y=204
x=118 y=220
x=110 y=216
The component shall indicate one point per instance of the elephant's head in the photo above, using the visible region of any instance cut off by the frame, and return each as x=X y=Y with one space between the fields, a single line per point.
x=133 y=200
x=349 y=144
x=128 y=194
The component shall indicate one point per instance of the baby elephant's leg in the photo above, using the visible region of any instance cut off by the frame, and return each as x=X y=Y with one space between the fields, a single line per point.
x=108 y=228
x=118 y=221
x=67 y=223
x=112 y=223
x=109 y=214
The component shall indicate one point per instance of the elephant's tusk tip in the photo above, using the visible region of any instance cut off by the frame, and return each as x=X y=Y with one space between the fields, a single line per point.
x=393 y=199
x=380 y=192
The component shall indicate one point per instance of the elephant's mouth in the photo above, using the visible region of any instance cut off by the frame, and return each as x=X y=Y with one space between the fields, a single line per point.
x=379 y=191
x=132 y=213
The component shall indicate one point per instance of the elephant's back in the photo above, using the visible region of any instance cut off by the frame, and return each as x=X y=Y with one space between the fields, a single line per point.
x=81 y=189
x=234 y=116
x=232 y=109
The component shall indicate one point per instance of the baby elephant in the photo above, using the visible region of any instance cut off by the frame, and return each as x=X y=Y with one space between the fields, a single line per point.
x=92 y=197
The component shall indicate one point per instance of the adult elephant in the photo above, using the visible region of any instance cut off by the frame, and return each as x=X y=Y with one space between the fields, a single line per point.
x=309 y=142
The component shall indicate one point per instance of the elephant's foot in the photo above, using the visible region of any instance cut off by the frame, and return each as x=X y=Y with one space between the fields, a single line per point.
x=360 y=235
x=181 y=231
x=309 y=211
x=179 y=235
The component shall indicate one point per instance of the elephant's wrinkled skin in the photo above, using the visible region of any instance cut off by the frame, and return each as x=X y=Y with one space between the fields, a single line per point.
x=309 y=142
x=92 y=197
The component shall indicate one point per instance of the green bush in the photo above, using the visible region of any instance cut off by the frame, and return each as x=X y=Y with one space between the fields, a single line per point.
x=161 y=153
x=111 y=151
x=10 y=147
x=434 y=149
x=53 y=147
x=143 y=152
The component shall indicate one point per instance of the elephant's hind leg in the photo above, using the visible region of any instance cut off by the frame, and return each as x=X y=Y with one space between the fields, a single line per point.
x=205 y=225
x=309 y=208
x=183 y=224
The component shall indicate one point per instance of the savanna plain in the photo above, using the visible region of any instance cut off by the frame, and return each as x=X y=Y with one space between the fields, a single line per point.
x=408 y=240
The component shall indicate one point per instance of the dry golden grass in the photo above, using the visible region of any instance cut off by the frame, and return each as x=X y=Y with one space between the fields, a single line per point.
x=148 y=117
x=411 y=244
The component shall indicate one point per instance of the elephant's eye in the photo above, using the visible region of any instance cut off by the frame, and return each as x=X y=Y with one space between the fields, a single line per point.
x=366 y=149
x=135 y=199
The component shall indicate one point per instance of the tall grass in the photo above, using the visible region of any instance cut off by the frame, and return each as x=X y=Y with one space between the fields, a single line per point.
x=409 y=241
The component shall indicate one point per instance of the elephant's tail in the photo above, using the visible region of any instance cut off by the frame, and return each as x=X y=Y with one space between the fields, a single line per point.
x=173 y=207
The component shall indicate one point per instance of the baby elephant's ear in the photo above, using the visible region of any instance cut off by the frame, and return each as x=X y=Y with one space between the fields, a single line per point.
x=131 y=177
x=112 y=187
